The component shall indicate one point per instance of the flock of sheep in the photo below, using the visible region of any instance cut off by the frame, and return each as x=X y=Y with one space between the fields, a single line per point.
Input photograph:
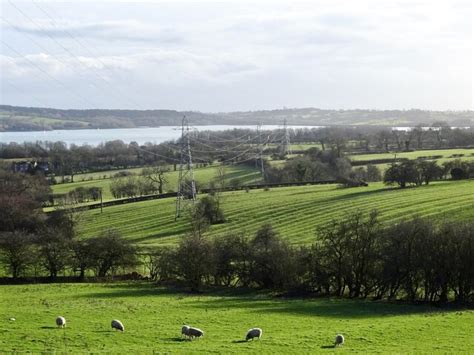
x=192 y=332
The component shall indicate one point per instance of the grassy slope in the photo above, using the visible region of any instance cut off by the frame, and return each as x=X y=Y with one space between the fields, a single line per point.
x=294 y=211
x=47 y=121
x=153 y=318
x=203 y=176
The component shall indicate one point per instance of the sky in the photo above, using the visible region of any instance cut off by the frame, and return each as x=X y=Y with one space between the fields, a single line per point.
x=220 y=56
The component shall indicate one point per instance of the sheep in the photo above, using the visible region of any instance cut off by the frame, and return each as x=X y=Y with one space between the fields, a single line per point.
x=195 y=333
x=184 y=331
x=254 y=333
x=60 y=322
x=339 y=340
x=116 y=324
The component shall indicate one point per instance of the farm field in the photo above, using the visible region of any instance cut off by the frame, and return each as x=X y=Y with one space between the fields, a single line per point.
x=41 y=121
x=153 y=317
x=245 y=174
x=446 y=153
x=295 y=212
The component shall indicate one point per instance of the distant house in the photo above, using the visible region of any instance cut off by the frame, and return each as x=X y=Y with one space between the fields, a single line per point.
x=31 y=167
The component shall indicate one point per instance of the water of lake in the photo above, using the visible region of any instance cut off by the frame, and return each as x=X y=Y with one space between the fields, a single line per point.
x=96 y=136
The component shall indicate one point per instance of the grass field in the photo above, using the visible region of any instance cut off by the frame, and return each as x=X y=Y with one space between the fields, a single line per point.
x=245 y=174
x=47 y=122
x=153 y=318
x=446 y=153
x=294 y=211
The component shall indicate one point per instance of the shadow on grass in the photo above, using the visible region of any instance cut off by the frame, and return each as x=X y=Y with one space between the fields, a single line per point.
x=49 y=327
x=327 y=347
x=321 y=307
x=264 y=302
x=351 y=193
x=145 y=289
x=178 y=339
x=239 y=341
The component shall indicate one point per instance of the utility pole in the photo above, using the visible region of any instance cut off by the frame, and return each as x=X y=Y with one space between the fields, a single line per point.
x=186 y=189
x=101 y=201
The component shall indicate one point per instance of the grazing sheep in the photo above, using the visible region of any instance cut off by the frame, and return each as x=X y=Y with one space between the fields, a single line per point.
x=339 y=340
x=116 y=324
x=195 y=333
x=184 y=331
x=61 y=322
x=254 y=333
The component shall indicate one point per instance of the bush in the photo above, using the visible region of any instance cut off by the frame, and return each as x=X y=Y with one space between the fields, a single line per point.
x=458 y=174
x=193 y=261
x=122 y=174
x=209 y=209
x=272 y=261
x=111 y=251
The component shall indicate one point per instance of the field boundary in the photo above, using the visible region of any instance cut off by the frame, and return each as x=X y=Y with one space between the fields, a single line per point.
x=174 y=194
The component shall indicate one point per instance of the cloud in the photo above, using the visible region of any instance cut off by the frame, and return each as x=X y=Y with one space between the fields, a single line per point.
x=173 y=67
x=328 y=53
x=129 y=30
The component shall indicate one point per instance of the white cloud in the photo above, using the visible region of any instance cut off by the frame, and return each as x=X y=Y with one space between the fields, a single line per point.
x=213 y=56
x=129 y=30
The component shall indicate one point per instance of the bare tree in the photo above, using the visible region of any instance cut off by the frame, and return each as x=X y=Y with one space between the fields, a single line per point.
x=157 y=175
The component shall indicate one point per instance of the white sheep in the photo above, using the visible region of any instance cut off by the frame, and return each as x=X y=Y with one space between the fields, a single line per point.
x=339 y=340
x=184 y=331
x=195 y=333
x=116 y=324
x=61 y=322
x=254 y=333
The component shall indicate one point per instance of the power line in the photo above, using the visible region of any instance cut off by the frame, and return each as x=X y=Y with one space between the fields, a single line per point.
x=48 y=52
x=80 y=43
x=65 y=48
x=47 y=74
x=20 y=90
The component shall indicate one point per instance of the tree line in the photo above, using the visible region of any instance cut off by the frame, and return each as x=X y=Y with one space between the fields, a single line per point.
x=357 y=256
x=233 y=146
x=418 y=172
x=33 y=243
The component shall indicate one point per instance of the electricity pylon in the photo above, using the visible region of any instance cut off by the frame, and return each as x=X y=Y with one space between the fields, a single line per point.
x=186 y=190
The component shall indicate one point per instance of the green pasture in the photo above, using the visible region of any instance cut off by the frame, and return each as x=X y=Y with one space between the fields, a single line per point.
x=106 y=174
x=295 y=212
x=153 y=317
x=297 y=146
x=203 y=176
x=446 y=153
x=47 y=121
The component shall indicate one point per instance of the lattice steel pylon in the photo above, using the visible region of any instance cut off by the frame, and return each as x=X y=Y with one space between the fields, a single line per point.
x=259 y=156
x=286 y=139
x=186 y=190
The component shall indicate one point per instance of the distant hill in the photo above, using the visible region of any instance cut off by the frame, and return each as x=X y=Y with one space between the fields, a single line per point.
x=16 y=118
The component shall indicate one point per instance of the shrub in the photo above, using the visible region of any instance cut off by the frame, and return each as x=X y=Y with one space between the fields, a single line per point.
x=209 y=208
x=458 y=173
x=111 y=251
